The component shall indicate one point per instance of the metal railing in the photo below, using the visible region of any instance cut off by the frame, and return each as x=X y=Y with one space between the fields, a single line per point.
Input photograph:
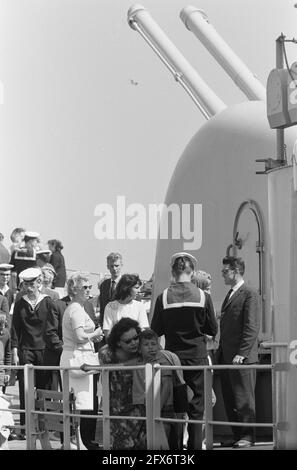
x=152 y=402
x=208 y=420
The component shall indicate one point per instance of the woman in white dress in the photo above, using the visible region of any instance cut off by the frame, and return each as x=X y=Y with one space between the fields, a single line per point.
x=125 y=304
x=79 y=335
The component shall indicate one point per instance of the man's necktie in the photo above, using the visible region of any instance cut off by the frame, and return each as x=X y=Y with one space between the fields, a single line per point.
x=112 y=289
x=226 y=298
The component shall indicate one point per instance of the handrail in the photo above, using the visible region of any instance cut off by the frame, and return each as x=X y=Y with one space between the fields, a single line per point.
x=152 y=401
x=274 y=344
x=207 y=420
x=217 y=367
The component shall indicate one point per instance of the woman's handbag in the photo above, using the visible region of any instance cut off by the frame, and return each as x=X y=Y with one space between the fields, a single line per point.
x=180 y=396
x=81 y=357
x=180 y=388
x=12 y=378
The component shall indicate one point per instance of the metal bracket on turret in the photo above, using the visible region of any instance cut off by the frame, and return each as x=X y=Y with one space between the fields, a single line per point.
x=282 y=366
x=270 y=164
x=282 y=426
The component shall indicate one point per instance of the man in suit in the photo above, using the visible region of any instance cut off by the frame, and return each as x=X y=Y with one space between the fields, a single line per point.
x=25 y=257
x=108 y=286
x=239 y=329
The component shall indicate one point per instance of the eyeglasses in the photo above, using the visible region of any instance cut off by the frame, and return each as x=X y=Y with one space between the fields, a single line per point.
x=227 y=270
x=87 y=287
x=128 y=341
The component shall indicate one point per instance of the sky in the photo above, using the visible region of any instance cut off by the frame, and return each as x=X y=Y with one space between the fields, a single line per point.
x=89 y=115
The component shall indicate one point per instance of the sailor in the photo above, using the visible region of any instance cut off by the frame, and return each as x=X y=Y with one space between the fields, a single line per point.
x=29 y=323
x=42 y=258
x=184 y=314
x=25 y=257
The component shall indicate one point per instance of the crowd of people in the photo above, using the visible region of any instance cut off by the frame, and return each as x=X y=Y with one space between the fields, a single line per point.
x=41 y=325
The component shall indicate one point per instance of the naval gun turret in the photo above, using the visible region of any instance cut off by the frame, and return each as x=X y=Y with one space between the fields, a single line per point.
x=244 y=212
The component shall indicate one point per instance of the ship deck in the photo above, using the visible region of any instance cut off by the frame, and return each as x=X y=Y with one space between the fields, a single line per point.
x=56 y=444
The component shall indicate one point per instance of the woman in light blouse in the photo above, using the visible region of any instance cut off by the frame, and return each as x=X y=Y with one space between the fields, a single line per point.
x=79 y=335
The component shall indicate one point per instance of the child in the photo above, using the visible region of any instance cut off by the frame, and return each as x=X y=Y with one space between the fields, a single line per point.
x=151 y=352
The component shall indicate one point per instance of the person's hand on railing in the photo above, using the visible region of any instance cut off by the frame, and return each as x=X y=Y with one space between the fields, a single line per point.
x=238 y=359
x=86 y=367
x=15 y=357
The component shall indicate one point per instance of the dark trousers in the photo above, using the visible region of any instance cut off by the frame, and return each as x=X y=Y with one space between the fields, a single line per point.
x=195 y=380
x=35 y=357
x=88 y=425
x=52 y=378
x=174 y=433
x=238 y=389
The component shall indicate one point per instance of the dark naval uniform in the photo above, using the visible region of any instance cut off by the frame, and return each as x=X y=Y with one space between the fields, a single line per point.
x=185 y=314
x=23 y=259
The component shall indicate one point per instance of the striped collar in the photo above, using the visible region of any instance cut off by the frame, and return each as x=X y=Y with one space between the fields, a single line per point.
x=192 y=297
x=34 y=303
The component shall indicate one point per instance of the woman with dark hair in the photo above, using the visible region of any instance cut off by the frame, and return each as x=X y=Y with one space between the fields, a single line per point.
x=58 y=262
x=118 y=349
x=125 y=304
x=122 y=347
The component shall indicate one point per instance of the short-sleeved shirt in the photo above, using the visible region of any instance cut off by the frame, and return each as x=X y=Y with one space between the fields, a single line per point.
x=114 y=311
x=75 y=317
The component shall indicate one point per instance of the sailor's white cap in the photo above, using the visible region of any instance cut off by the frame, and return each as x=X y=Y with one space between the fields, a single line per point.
x=181 y=254
x=49 y=267
x=5 y=267
x=32 y=235
x=30 y=274
x=43 y=252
